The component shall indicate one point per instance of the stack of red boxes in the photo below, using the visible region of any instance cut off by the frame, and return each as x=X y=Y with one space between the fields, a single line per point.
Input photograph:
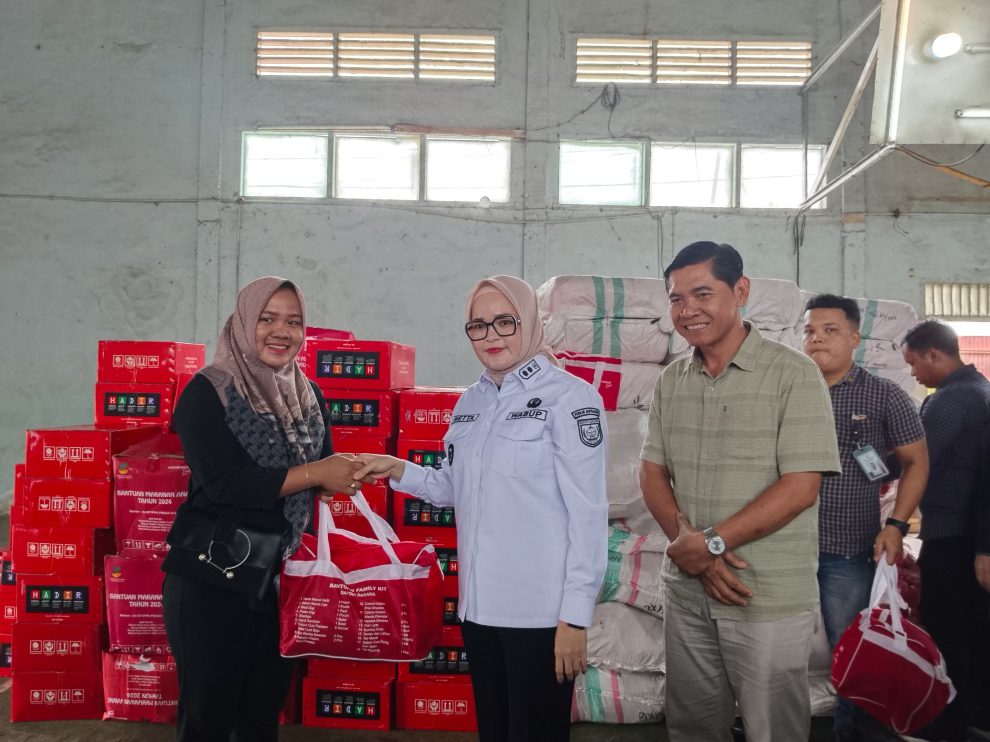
x=435 y=693
x=8 y=608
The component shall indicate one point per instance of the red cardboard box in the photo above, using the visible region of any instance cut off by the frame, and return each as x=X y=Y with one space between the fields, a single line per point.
x=59 y=551
x=8 y=579
x=447 y=558
x=147 y=361
x=318 y=667
x=448 y=659
x=416 y=520
x=361 y=364
x=424 y=412
x=291 y=711
x=140 y=688
x=57 y=647
x=347 y=704
x=362 y=444
x=318 y=333
x=6 y=655
x=151 y=480
x=346 y=516
x=118 y=404
x=362 y=413
x=50 y=696
x=133 y=589
x=8 y=608
x=70 y=503
x=422 y=451
x=436 y=705
x=81 y=452
x=59 y=599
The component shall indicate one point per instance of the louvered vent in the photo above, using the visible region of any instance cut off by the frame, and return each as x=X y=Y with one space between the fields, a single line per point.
x=694 y=62
x=296 y=53
x=959 y=301
x=444 y=57
x=376 y=55
x=615 y=60
x=772 y=62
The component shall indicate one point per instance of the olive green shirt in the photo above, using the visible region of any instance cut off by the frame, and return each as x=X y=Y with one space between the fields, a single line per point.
x=724 y=441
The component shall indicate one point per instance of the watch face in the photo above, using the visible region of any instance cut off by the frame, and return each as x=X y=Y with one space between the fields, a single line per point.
x=716 y=545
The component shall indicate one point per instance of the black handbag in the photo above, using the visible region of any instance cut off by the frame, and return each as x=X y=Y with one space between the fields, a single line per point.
x=220 y=550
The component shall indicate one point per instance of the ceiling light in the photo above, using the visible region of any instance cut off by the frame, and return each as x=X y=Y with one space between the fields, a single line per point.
x=982 y=112
x=944 y=45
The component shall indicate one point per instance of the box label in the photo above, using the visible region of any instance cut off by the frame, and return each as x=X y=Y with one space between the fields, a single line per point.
x=447 y=559
x=354 y=412
x=426 y=457
x=442 y=661
x=419 y=513
x=334 y=364
x=124 y=404
x=348 y=704
x=56 y=599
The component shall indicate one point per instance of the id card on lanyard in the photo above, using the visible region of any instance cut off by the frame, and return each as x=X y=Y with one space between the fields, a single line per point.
x=866 y=456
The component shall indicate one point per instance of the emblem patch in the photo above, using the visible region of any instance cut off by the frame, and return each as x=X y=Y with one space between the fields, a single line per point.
x=450 y=454
x=463 y=419
x=534 y=402
x=537 y=414
x=589 y=426
x=530 y=369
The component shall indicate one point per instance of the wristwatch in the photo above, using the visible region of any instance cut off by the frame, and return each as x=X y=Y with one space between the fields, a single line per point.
x=900 y=525
x=716 y=544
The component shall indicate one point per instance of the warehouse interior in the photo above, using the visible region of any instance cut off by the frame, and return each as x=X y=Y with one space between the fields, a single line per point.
x=126 y=133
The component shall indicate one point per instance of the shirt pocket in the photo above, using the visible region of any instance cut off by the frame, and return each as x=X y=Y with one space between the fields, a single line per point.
x=519 y=449
x=455 y=442
x=748 y=430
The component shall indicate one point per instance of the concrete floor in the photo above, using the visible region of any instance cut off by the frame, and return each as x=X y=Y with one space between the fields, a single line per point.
x=124 y=731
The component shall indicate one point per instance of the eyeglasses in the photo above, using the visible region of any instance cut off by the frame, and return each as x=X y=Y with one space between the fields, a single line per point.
x=504 y=326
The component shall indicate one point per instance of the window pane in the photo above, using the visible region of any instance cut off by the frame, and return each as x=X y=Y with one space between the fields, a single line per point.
x=285 y=165
x=771 y=176
x=376 y=167
x=691 y=175
x=601 y=173
x=467 y=169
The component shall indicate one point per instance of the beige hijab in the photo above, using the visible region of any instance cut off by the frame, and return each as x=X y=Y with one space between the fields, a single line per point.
x=524 y=303
x=285 y=394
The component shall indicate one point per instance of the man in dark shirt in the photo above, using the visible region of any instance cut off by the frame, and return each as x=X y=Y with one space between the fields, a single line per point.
x=873 y=417
x=955 y=606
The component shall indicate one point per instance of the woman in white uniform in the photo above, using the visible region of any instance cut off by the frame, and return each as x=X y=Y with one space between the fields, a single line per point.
x=525 y=473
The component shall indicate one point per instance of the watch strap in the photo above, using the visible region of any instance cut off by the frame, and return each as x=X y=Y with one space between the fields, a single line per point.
x=900 y=525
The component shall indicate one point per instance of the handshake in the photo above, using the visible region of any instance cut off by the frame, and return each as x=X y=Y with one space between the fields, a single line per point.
x=344 y=473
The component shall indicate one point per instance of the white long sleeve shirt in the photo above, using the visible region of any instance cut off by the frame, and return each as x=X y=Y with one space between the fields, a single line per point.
x=525 y=473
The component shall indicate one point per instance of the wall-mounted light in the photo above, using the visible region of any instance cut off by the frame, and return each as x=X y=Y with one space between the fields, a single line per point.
x=980 y=112
x=944 y=45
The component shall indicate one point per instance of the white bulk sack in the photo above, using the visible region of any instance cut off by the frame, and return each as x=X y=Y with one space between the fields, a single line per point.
x=633 y=573
x=885 y=319
x=639 y=340
x=626 y=432
x=618 y=697
x=774 y=304
x=624 y=638
x=587 y=297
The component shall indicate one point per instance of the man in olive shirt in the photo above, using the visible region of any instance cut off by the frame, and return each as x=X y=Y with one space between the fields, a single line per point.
x=740 y=435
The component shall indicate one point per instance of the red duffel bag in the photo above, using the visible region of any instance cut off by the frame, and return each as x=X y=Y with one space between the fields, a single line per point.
x=889 y=666
x=347 y=596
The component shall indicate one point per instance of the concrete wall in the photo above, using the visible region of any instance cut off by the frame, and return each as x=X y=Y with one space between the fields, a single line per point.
x=119 y=177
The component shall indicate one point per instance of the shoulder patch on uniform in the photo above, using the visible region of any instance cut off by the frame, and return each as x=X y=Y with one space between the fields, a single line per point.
x=463 y=419
x=530 y=369
x=589 y=426
x=538 y=414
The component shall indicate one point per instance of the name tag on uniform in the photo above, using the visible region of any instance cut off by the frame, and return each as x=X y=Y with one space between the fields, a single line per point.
x=870 y=462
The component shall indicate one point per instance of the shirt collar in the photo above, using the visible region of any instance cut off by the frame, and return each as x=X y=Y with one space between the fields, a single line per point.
x=525 y=374
x=851 y=377
x=746 y=355
x=963 y=373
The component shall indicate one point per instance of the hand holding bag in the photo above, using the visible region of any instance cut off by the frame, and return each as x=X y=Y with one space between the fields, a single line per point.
x=360 y=598
x=889 y=666
x=220 y=550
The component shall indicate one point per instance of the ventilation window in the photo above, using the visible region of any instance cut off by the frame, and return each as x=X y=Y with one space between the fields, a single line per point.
x=606 y=173
x=958 y=301
x=694 y=62
x=614 y=60
x=295 y=53
x=284 y=165
x=376 y=167
x=456 y=57
x=691 y=175
x=376 y=55
x=770 y=176
x=461 y=169
x=772 y=62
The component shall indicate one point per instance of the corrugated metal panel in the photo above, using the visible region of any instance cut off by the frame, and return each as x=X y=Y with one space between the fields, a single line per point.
x=957 y=301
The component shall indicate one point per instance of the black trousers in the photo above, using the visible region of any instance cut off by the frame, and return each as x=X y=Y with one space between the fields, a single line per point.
x=516 y=692
x=955 y=610
x=232 y=680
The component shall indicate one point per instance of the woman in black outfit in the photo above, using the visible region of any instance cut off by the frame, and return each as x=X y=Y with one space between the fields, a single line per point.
x=255 y=435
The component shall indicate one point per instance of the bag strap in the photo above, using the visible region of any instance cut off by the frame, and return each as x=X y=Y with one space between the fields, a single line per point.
x=885 y=590
x=383 y=531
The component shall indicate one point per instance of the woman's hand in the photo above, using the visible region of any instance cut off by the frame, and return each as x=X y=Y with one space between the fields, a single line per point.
x=337 y=473
x=380 y=466
x=570 y=649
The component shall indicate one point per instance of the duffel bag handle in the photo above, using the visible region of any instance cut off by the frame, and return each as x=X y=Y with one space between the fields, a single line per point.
x=383 y=531
x=885 y=590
